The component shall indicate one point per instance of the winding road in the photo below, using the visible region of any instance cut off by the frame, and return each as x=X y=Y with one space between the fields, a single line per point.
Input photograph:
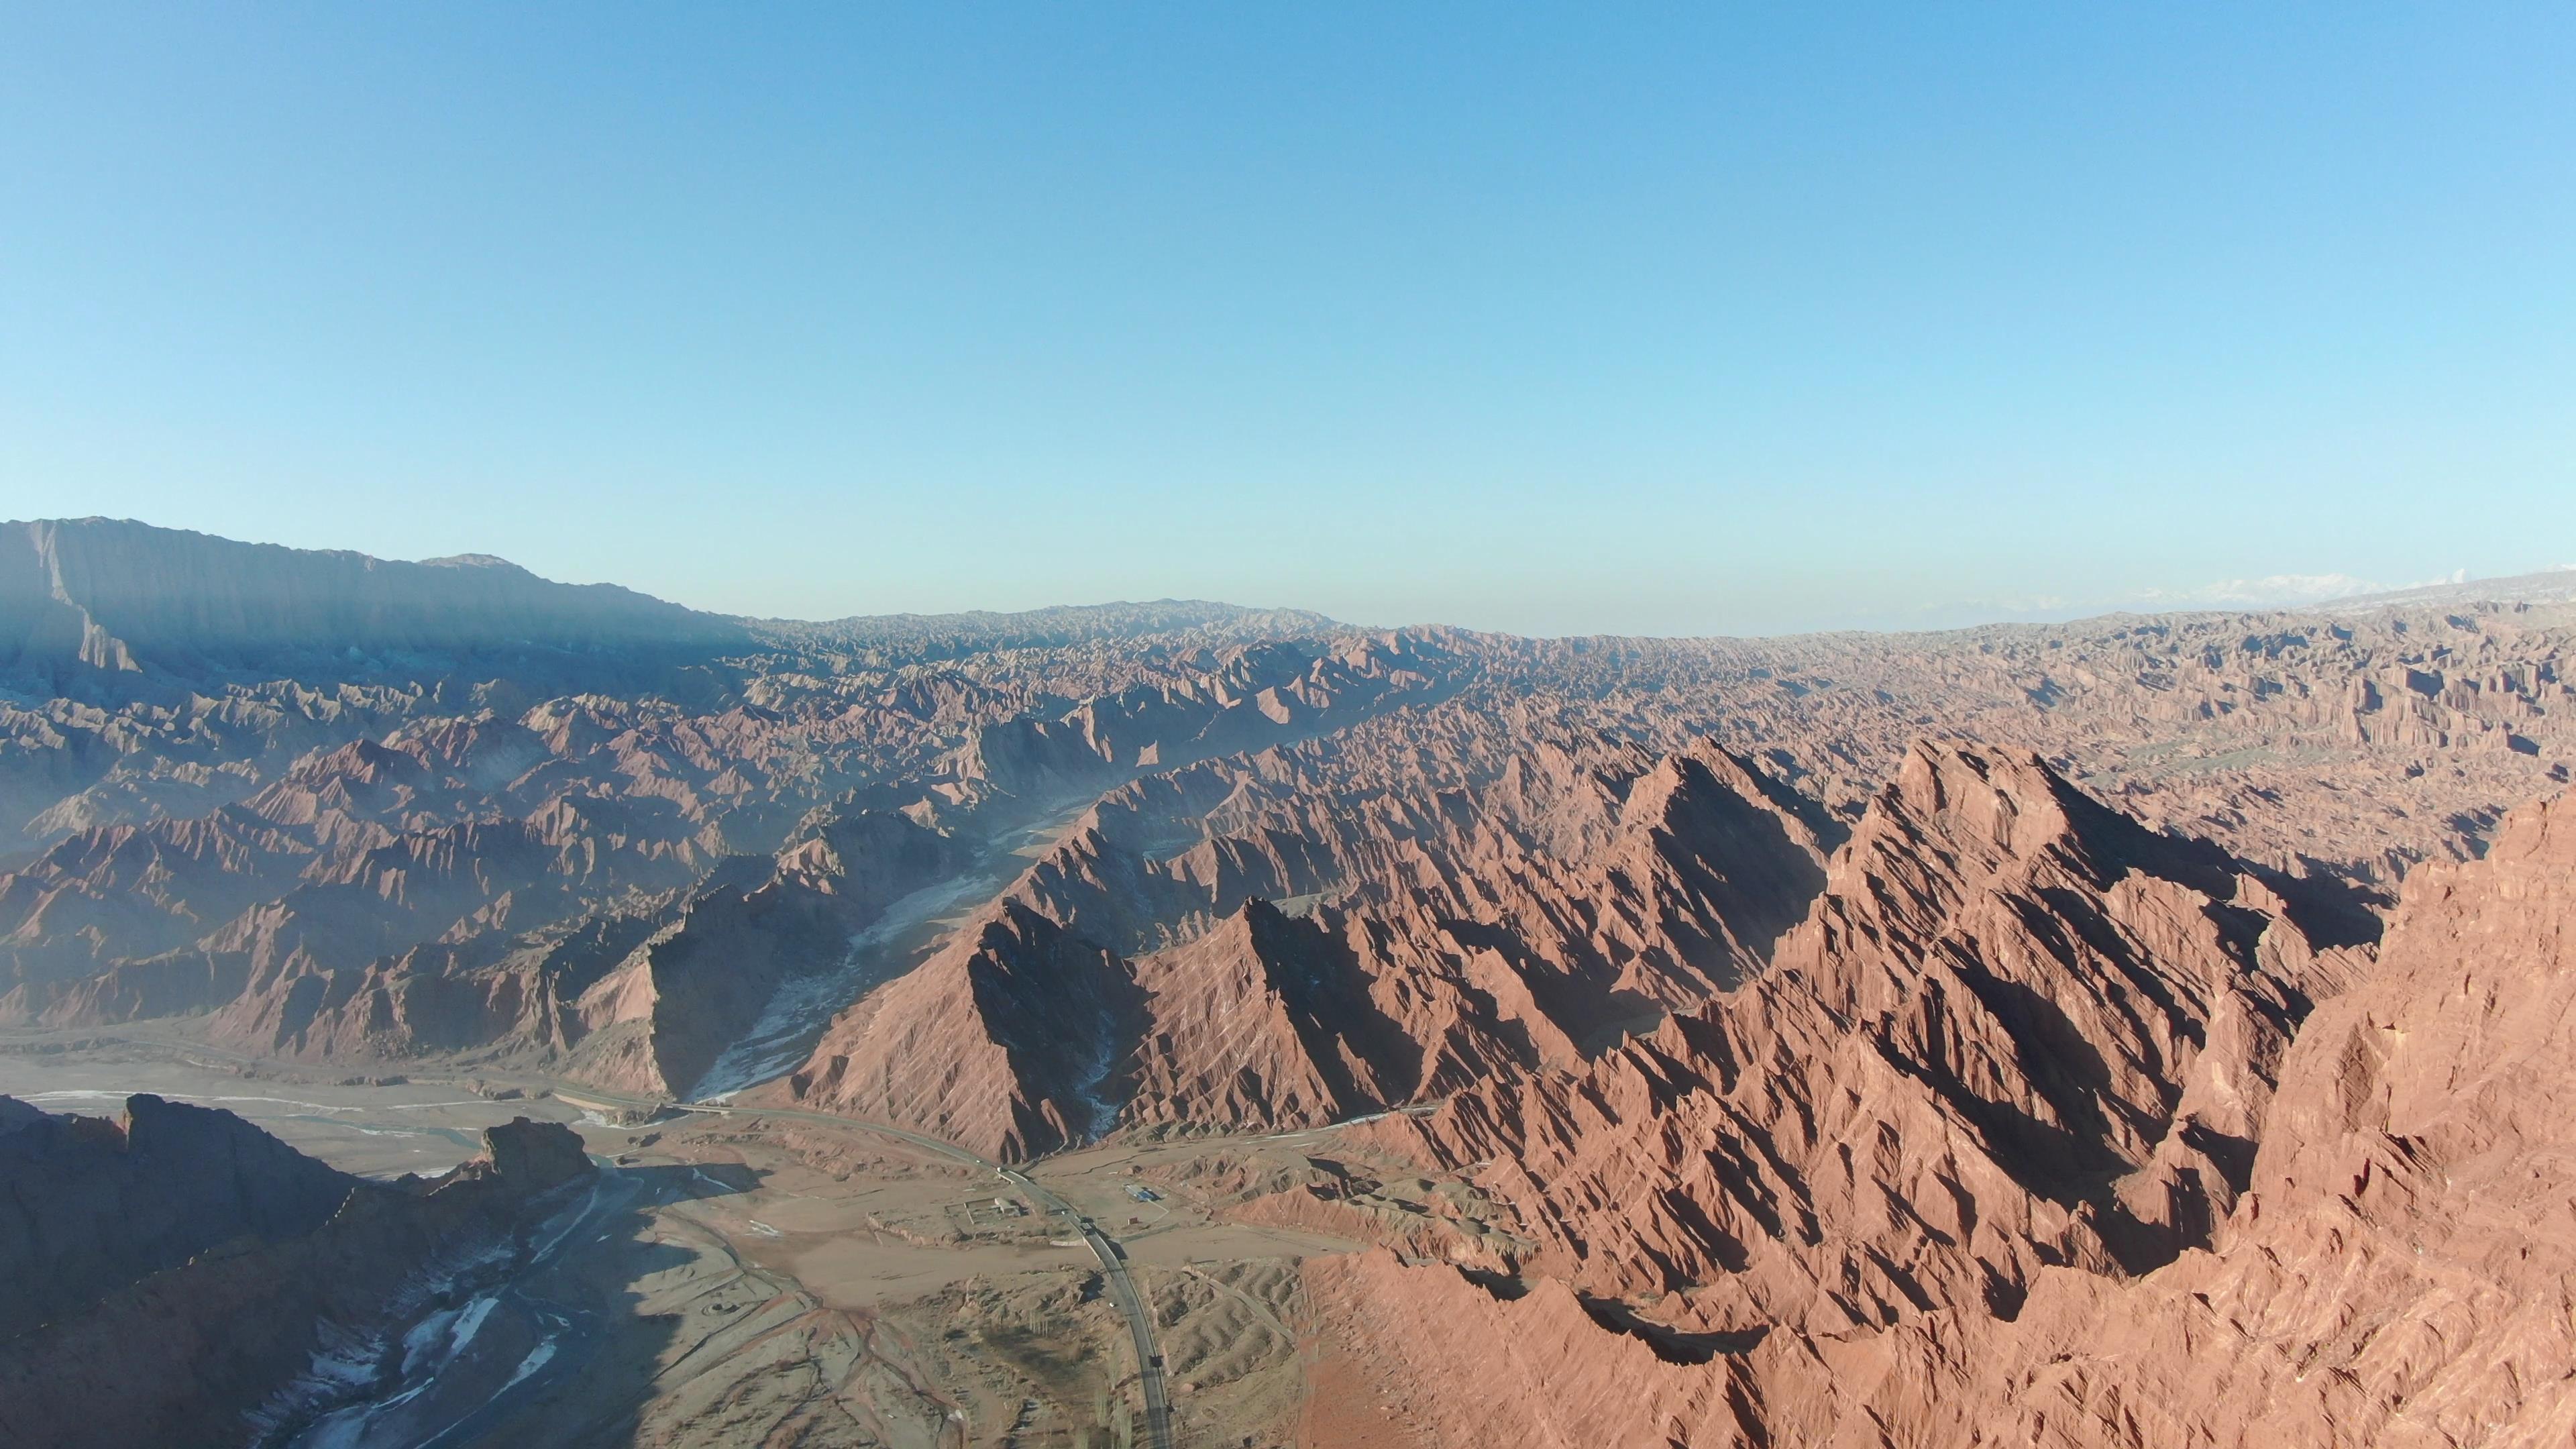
x=1122 y=1291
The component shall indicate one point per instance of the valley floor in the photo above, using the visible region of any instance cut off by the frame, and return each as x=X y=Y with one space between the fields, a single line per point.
x=746 y=1279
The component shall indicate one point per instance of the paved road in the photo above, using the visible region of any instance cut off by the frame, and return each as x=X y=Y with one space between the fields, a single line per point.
x=1113 y=1259
x=1122 y=1291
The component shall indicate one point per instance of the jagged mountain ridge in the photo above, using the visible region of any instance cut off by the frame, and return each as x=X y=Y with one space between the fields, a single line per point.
x=1789 y=1078
x=2003 y=989
x=1486 y=853
x=1161 y=894
x=924 y=637
x=2377 y=1254
x=85 y=603
x=388 y=850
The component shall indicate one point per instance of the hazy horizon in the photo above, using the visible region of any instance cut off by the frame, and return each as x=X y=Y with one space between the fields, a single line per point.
x=1631 y=322
x=2276 y=592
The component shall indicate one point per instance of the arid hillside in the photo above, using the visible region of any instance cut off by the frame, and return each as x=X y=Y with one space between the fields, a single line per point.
x=2132 y=1031
x=2073 y=1139
x=1394 y=862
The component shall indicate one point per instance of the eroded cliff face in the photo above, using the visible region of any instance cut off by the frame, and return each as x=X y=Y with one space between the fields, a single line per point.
x=89 y=1205
x=2399 y=1270
x=1771 y=1073
x=1138 y=973
x=1006 y=1042
x=2043 y=1131
x=1266 y=1023
x=660 y=1019
x=174 y=1273
x=618 y=888
x=1515 y=852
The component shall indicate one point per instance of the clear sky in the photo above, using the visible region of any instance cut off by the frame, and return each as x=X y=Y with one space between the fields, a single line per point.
x=1665 y=319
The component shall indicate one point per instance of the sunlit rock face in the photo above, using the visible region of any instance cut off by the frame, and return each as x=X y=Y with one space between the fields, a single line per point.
x=2134 y=1030
x=2047 y=1144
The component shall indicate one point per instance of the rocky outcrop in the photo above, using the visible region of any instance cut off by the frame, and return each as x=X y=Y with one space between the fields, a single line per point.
x=183 y=1353
x=2329 y=1219
x=664 y=1016
x=1007 y=1042
x=2017 y=1030
x=1465 y=942
x=89 y=1205
x=1783 y=1078
x=525 y=1157
x=1265 y=1023
x=1518 y=852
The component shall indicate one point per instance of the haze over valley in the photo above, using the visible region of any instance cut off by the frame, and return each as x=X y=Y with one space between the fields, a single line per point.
x=1763 y=1026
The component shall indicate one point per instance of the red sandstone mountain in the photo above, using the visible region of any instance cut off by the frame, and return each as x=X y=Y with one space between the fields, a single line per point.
x=392 y=858
x=1498 y=852
x=2033 y=1135
x=1816 y=1085
x=2006 y=991
x=1137 y=974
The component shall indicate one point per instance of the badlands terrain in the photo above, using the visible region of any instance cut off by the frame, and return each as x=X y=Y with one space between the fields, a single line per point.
x=443 y=1006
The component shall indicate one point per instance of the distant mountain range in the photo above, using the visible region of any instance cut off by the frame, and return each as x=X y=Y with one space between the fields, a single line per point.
x=2088 y=1035
x=2550 y=586
x=90 y=597
x=126 y=597
x=83 y=601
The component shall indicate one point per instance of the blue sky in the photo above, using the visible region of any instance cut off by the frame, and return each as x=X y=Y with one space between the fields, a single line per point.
x=1602 y=318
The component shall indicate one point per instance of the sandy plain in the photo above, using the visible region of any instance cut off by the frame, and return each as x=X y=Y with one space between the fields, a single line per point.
x=738 y=1280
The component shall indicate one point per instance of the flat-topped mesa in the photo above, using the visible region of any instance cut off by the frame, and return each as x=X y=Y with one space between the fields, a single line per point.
x=2016 y=1030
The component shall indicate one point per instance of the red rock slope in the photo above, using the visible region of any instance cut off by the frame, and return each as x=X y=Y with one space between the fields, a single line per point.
x=1122 y=980
x=2032 y=1136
